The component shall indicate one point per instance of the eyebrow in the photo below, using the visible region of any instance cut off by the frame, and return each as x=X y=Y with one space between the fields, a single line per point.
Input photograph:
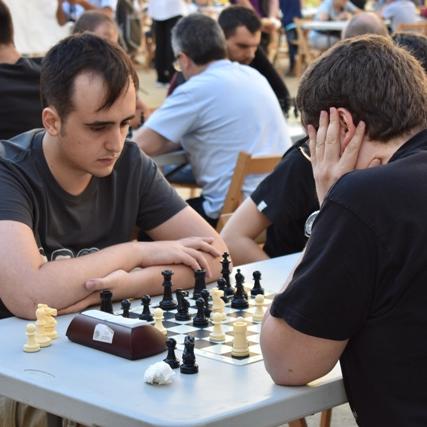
x=105 y=123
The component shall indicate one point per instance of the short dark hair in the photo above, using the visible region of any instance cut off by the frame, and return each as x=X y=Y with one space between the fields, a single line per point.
x=6 y=25
x=90 y=21
x=237 y=16
x=415 y=44
x=81 y=53
x=200 y=38
x=378 y=82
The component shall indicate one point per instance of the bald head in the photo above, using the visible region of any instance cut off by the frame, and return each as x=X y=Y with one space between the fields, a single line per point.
x=365 y=23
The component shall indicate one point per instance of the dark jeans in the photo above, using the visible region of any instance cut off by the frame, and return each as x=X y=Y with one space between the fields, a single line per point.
x=164 y=57
x=197 y=204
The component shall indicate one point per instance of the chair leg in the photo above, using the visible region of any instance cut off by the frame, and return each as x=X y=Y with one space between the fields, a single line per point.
x=298 y=423
x=325 y=418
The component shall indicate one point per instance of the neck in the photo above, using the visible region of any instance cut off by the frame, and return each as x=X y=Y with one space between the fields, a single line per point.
x=71 y=179
x=8 y=54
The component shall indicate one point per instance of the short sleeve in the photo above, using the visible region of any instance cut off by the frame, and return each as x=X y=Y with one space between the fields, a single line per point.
x=176 y=117
x=158 y=200
x=332 y=289
x=15 y=200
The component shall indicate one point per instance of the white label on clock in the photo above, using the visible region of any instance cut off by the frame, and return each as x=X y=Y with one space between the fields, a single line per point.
x=103 y=333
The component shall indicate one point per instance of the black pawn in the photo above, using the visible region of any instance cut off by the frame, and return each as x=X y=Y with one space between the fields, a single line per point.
x=183 y=306
x=199 y=283
x=257 y=289
x=171 y=359
x=106 y=301
x=146 y=314
x=206 y=296
x=226 y=274
x=239 y=301
x=200 y=320
x=189 y=365
x=125 y=307
x=167 y=303
x=240 y=280
x=222 y=285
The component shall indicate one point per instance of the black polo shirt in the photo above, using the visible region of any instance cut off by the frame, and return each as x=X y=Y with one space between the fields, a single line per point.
x=287 y=197
x=364 y=278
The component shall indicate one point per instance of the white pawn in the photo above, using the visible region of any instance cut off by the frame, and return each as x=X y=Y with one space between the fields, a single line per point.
x=259 y=308
x=217 y=335
x=240 y=342
x=31 y=346
x=218 y=303
x=158 y=320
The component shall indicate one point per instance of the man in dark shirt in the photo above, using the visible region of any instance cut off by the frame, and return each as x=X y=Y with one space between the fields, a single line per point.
x=20 y=106
x=359 y=293
x=72 y=194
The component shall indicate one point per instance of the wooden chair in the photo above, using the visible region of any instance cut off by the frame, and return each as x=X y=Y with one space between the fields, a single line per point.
x=245 y=165
x=306 y=55
x=416 y=27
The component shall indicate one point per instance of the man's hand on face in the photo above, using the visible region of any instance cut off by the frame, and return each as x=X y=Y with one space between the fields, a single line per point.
x=329 y=161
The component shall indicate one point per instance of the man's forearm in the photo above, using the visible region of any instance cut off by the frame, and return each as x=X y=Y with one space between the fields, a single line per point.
x=244 y=250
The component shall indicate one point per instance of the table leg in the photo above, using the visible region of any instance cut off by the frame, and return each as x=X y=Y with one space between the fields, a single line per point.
x=54 y=420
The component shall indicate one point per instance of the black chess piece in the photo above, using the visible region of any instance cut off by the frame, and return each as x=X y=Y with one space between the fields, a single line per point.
x=239 y=301
x=257 y=288
x=206 y=296
x=226 y=274
x=200 y=320
x=125 y=307
x=167 y=303
x=106 y=301
x=171 y=359
x=146 y=314
x=222 y=285
x=189 y=365
x=183 y=306
x=199 y=283
x=240 y=280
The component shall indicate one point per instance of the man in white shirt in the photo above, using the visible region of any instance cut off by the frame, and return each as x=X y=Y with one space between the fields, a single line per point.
x=72 y=9
x=222 y=109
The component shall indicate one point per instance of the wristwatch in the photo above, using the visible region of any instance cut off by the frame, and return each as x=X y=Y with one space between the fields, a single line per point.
x=308 y=226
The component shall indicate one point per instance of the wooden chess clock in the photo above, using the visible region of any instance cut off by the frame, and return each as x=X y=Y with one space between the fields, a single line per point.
x=124 y=337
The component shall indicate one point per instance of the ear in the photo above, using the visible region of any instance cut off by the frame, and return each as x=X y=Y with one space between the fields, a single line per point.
x=347 y=126
x=51 y=121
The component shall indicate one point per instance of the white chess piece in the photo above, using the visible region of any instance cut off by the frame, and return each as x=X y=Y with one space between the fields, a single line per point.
x=217 y=302
x=158 y=320
x=217 y=335
x=259 y=308
x=41 y=316
x=50 y=323
x=31 y=346
x=240 y=342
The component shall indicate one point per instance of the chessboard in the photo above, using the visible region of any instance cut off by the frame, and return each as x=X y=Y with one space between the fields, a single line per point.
x=203 y=347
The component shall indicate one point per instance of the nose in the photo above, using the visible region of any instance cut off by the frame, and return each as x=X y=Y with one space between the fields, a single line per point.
x=252 y=53
x=115 y=139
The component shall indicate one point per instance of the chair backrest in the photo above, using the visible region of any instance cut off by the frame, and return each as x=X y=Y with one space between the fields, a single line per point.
x=416 y=27
x=245 y=165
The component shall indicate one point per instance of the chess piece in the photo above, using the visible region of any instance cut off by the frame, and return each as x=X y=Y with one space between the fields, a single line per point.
x=205 y=295
x=50 y=322
x=167 y=303
x=106 y=301
x=41 y=316
x=31 y=346
x=240 y=348
x=259 y=308
x=183 y=306
x=217 y=302
x=189 y=365
x=146 y=314
x=222 y=286
x=199 y=320
x=257 y=289
x=158 y=319
x=240 y=280
x=199 y=283
x=239 y=301
x=125 y=304
x=225 y=271
x=217 y=335
x=171 y=359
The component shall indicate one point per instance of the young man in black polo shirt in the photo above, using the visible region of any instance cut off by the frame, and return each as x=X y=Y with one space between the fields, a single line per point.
x=359 y=294
x=72 y=194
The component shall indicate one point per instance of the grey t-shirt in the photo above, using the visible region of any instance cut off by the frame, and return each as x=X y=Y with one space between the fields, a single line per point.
x=135 y=193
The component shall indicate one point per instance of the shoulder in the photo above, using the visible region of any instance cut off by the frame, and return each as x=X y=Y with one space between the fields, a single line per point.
x=19 y=146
